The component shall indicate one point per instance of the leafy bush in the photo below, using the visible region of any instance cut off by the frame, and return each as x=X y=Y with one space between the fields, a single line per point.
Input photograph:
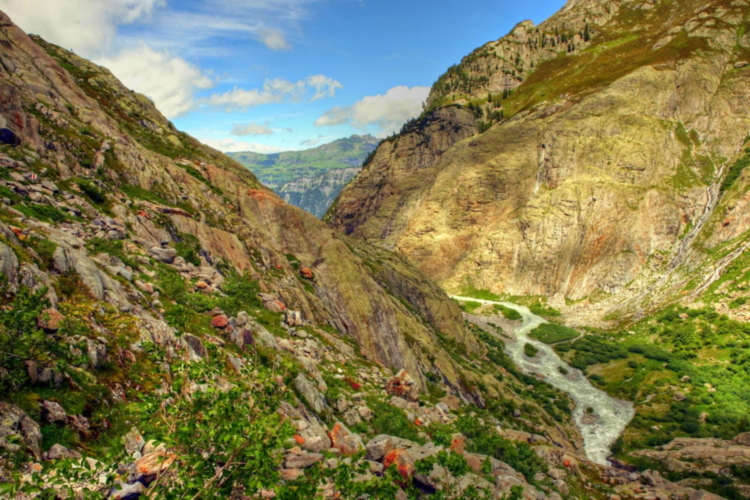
x=530 y=350
x=92 y=191
x=551 y=333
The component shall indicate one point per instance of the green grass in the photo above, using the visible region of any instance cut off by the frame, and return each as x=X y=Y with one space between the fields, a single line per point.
x=507 y=312
x=551 y=333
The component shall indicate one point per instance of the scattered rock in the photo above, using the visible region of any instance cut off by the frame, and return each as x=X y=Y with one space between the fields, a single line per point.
x=165 y=255
x=60 y=452
x=133 y=441
x=378 y=447
x=15 y=427
x=151 y=464
x=301 y=460
x=220 y=321
x=344 y=441
x=52 y=412
x=306 y=273
x=310 y=394
x=50 y=320
x=402 y=385
x=402 y=460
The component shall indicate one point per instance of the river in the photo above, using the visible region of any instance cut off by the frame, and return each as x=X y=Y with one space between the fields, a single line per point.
x=600 y=428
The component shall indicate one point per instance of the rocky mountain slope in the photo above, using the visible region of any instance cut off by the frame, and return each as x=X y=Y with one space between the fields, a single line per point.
x=169 y=327
x=313 y=178
x=591 y=159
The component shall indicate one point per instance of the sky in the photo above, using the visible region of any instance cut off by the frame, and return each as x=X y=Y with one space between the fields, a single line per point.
x=277 y=75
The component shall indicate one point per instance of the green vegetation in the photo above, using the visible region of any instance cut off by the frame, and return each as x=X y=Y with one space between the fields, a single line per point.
x=530 y=350
x=469 y=306
x=591 y=350
x=735 y=171
x=45 y=213
x=507 y=312
x=277 y=169
x=551 y=333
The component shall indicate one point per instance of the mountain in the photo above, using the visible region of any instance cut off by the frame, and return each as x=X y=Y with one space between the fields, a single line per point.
x=595 y=167
x=591 y=159
x=169 y=327
x=311 y=179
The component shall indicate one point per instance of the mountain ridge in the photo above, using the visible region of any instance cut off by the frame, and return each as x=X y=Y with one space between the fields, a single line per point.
x=311 y=179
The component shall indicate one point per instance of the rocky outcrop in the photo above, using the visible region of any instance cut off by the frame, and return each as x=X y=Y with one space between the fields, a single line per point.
x=205 y=194
x=597 y=179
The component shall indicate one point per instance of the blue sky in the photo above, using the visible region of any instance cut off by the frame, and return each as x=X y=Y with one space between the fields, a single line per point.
x=271 y=75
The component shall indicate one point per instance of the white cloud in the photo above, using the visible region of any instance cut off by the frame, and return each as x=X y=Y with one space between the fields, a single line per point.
x=274 y=40
x=324 y=86
x=86 y=26
x=233 y=146
x=274 y=91
x=251 y=129
x=168 y=80
x=386 y=112
x=312 y=142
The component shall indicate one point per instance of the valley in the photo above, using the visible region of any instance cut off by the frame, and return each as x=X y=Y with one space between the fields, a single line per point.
x=538 y=289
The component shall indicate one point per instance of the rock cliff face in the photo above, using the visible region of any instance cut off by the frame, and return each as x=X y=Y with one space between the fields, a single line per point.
x=83 y=128
x=594 y=178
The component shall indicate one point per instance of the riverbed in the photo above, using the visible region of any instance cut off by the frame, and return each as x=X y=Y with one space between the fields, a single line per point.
x=600 y=418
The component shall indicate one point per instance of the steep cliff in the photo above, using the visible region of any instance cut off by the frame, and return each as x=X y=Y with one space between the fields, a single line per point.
x=606 y=135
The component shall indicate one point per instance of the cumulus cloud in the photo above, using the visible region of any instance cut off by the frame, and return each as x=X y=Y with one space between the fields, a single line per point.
x=170 y=81
x=251 y=129
x=86 y=26
x=274 y=40
x=275 y=91
x=234 y=146
x=385 y=112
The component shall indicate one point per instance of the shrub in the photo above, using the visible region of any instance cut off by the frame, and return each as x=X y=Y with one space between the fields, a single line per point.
x=530 y=350
x=551 y=333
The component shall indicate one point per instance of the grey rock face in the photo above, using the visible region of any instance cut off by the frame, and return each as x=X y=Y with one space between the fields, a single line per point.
x=15 y=425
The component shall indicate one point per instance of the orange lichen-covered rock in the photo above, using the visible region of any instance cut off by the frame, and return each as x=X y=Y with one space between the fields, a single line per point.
x=344 y=441
x=402 y=385
x=50 y=320
x=306 y=273
x=402 y=460
x=220 y=321
x=154 y=463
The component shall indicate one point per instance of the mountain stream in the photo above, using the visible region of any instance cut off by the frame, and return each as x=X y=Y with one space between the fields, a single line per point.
x=601 y=427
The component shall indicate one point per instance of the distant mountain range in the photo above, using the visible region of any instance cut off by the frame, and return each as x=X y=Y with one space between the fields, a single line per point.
x=311 y=179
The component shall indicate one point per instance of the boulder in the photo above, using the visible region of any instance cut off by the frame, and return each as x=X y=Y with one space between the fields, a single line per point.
x=378 y=447
x=403 y=386
x=403 y=462
x=742 y=439
x=127 y=491
x=60 y=452
x=151 y=464
x=220 y=321
x=52 y=412
x=275 y=306
x=307 y=390
x=314 y=437
x=133 y=441
x=293 y=318
x=306 y=273
x=195 y=347
x=50 y=320
x=344 y=441
x=301 y=460
x=8 y=264
x=165 y=255
x=16 y=427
